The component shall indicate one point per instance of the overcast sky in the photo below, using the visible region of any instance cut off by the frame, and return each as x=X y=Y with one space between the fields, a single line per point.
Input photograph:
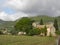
x=11 y=10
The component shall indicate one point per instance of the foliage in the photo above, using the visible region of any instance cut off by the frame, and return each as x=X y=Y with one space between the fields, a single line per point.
x=58 y=32
x=1 y=32
x=44 y=30
x=41 y=22
x=24 y=24
x=56 y=24
x=13 y=32
x=34 y=31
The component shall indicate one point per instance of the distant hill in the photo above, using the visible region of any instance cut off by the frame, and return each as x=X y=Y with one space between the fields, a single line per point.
x=9 y=24
x=6 y=24
x=46 y=19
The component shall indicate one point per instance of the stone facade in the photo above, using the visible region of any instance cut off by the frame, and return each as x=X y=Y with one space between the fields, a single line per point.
x=50 y=28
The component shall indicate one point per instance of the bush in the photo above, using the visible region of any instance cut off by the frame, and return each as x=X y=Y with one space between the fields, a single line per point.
x=34 y=32
x=44 y=30
x=13 y=32
x=58 y=32
x=1 y=32
x=37 y=31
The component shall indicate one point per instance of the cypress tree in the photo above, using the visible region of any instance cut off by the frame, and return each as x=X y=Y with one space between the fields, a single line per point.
x=56 y=24
x=41 y=22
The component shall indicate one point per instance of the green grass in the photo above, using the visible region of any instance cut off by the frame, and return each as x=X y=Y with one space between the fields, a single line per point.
x=26 y=40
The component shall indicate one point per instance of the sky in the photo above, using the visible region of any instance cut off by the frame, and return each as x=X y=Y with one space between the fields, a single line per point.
x=11 y=10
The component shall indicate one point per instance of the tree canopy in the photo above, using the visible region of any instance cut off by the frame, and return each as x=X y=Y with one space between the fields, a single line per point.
x=24 y=24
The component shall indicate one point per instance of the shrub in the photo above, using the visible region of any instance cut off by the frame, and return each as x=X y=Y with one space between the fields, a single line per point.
x=34 y=31
x=1 y=32
x=58 y=32
x=44 y=30
x=13 y=32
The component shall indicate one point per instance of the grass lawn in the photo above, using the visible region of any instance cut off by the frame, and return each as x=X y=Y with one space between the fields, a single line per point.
x=26 y=40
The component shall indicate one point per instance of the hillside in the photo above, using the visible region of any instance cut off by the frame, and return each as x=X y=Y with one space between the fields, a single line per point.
x=6 y=24
x=9 y=24
x=46 y=19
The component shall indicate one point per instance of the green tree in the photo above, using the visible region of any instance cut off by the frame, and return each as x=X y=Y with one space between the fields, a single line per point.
x=24 y=24
x=41 y=22
x=56 y=24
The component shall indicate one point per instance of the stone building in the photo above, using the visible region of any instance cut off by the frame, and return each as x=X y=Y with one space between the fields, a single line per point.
x=50 y=28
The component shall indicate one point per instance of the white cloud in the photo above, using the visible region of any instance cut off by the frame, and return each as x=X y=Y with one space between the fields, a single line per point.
x=17 y=4
x=31 y=7
x=13 y=17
